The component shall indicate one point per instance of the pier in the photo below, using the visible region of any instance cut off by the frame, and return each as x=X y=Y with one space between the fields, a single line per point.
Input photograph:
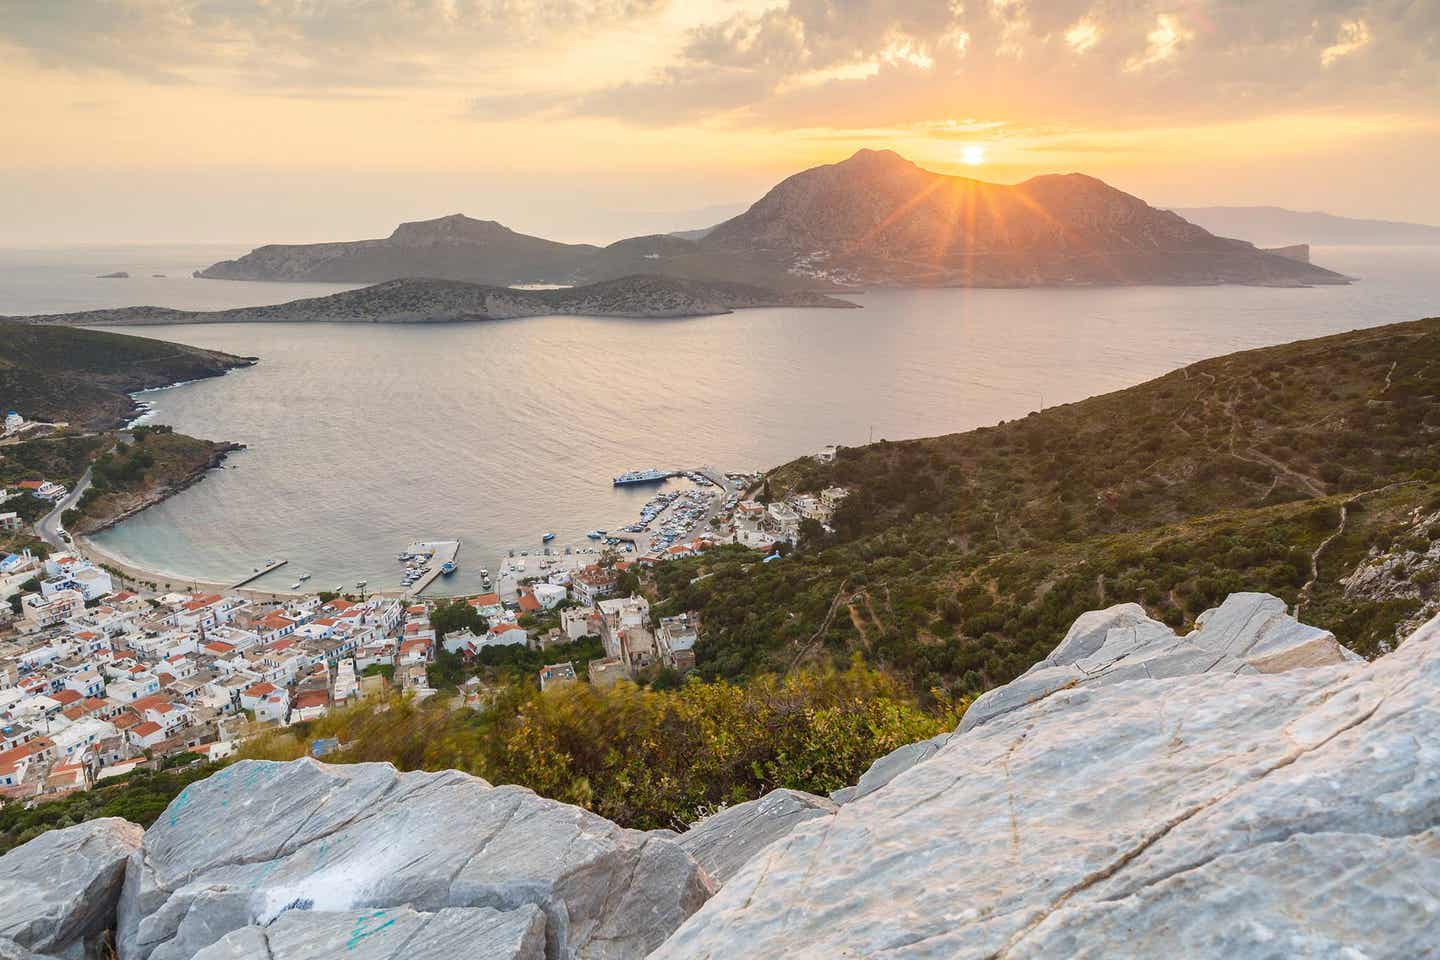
x=273 y=565
x=442 y=551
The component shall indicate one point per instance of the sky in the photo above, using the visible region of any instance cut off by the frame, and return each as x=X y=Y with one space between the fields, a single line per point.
x=248 y=121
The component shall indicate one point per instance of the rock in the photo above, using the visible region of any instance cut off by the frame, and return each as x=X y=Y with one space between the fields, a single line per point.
x=58 y=893
x=341 y=839
x=1228 y=813
x=394 y=934
x=1249 y=632
x=724 y=842
x=889 y=767
x=10 y=950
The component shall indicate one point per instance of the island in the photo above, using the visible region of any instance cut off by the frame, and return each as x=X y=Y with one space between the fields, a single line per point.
x=454 y=301
x=873 y=220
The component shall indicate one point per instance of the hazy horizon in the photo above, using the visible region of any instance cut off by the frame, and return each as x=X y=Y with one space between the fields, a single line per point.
x=199 y=121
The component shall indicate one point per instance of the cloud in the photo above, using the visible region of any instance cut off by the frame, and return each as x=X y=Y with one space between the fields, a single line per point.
x=313 y=45
x=813 y=63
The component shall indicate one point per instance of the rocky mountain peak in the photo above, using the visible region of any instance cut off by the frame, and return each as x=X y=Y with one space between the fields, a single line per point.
x=455 y=227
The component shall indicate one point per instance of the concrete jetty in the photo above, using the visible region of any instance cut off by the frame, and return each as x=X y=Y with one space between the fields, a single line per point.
x=272 y=565
x=442 y=551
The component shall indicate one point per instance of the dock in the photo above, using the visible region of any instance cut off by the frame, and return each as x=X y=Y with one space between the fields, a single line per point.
x=443 y=552
x=274 y=565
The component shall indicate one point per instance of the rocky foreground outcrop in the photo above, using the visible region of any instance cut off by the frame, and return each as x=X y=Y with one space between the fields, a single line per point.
x=1247 y=791
x=1250 y=790
x=260 y=840
x=58 y=892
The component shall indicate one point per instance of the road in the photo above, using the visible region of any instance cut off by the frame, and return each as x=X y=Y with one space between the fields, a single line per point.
x=48 y=526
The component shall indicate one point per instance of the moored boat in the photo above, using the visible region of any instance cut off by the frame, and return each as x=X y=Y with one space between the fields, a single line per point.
x=448 y=567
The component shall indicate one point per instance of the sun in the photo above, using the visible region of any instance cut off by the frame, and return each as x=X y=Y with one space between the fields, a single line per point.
x=973 y=155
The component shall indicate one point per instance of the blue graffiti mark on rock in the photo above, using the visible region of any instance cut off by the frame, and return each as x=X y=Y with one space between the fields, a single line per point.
x=367 y=925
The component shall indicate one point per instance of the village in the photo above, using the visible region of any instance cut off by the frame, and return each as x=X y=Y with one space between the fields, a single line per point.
x=100 y=678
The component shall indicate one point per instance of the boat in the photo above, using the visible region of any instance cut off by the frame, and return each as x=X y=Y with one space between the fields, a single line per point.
x=304 y=577
x=295 y=585
x=595 y=534
x=546 y=538
x=448 y=567
x=639 y=476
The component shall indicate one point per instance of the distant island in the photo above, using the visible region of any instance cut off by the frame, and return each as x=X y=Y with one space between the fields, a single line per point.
x=1278 y=226
x=875 y=219
x=453 y=301
x=117 y=275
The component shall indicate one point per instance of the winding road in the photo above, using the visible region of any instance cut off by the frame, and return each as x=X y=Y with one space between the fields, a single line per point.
x=48 y=526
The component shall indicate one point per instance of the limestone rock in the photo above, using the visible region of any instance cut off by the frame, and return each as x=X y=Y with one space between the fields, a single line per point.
x=58 y=892
x=889 y=767
x=260 y=839
x=394 y=934
x=1224 y=813
x=10 y=950
x=724 y=842
x=1249 y=632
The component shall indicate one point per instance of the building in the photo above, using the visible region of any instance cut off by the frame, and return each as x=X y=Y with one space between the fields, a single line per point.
x=9 y=522
x=579 y=622
x=13 y=422
x=556 y=675
x=676 y=638
x=590 y=584
x=607 y=671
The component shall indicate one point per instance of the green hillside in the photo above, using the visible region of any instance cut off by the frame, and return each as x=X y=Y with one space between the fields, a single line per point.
x=960 y=560
x=58 y=373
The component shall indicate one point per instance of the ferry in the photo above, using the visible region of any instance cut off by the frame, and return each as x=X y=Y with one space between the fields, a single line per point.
x=448 y=567
x=639 y=476
x=547 y=537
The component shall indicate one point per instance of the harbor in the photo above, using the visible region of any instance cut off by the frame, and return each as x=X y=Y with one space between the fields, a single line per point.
x=439 y=561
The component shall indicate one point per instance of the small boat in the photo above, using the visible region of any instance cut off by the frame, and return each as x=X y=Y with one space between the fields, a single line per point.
x=595 y=534
x=304 y=577
x=546 y=538
x=448 y=567
x=295 y=585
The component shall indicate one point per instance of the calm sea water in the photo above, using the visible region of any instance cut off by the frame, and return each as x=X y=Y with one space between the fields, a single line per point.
x=363 y=438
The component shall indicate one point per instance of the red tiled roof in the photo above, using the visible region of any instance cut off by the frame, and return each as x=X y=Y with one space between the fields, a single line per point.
x=311 y=698
x=146 y=728
x=66 y=697
x=486 y=600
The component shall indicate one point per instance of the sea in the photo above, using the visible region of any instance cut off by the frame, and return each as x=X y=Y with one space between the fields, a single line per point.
x=363 y=438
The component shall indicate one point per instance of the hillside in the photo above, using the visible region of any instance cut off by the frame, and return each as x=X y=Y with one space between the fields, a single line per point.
x=1276 y=225
x=83 y=376
x=1306 y=470
x=452 y=301
x=874 y=219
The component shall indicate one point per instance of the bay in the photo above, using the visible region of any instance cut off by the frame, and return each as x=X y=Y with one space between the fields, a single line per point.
x=363 y=438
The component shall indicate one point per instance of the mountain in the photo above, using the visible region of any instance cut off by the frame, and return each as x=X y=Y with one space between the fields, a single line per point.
x=1275 y=226
x=450 y=248
x=877 y=218
x=874 y=219
x=452 y=301
x=84 y=376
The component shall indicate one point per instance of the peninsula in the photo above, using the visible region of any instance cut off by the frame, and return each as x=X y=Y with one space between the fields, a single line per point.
x=454 y=301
